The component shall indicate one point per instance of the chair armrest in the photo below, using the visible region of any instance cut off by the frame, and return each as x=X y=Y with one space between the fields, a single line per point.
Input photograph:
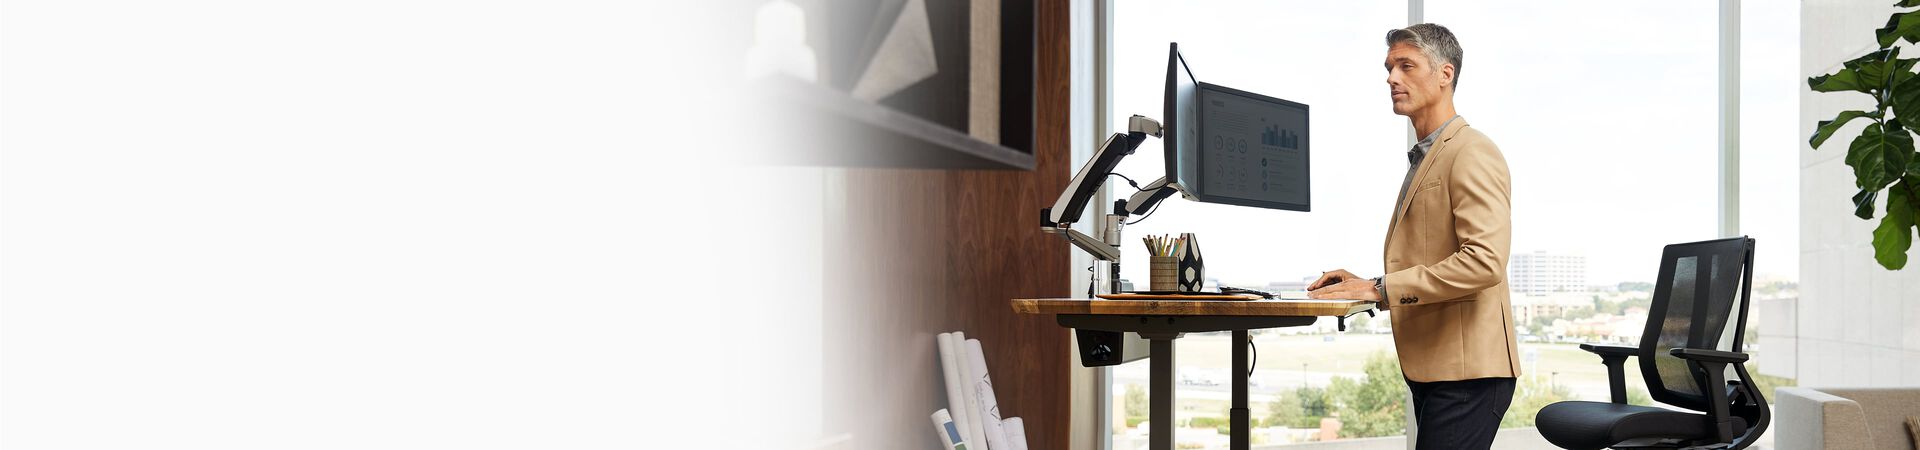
x=1711 y=356
x=1609 y=350
x=1714 y=364
x=1614 y=357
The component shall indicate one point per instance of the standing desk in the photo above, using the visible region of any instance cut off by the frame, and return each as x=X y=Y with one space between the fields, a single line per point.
x=1162 y=321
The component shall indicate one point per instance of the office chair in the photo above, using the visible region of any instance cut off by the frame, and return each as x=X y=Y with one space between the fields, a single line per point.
x=1692 y=302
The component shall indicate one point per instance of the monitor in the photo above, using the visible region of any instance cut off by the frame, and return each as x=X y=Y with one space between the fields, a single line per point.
x=1179 y=130
x=1235 y=147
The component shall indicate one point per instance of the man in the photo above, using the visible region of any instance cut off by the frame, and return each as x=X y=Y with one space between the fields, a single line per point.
x=1446 y=254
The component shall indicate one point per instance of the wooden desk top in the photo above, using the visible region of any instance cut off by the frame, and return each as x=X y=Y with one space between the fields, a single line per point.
x=1267 y=307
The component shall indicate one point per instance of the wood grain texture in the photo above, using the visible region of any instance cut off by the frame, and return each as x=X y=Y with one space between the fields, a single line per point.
x=1265 y=307
x=1215 y=297
x=918 y=252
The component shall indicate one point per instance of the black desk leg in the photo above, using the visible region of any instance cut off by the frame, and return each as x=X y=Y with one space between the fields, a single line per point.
x=1160 y=432
x=1239 y=416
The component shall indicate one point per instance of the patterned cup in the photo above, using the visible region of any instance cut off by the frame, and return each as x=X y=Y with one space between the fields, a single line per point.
x=1163 y=273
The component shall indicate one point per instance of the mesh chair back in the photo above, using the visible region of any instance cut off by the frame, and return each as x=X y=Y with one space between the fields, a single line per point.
x=1700 y=289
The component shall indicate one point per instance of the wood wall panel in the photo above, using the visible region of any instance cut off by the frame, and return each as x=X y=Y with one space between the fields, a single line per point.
x=919 y=252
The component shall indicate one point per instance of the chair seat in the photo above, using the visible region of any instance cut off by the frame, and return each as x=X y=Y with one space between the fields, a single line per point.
x=1596 y=425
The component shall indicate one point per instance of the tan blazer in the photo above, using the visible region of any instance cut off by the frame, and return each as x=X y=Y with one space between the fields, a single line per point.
x=1446 y=256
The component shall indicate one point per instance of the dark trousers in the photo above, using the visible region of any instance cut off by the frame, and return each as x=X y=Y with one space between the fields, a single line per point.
x=1455 y=415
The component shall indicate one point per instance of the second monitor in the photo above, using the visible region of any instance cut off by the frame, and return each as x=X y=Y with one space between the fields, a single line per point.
x=1235 y=147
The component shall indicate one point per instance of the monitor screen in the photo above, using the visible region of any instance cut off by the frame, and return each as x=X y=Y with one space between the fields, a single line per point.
x=1225 y=145
x=1253 y=150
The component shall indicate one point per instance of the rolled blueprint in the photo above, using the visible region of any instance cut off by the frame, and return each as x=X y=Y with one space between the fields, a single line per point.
x=948 y=433
x=989 y=406
x=956 y=397
x=976 y=431
x=1016 y=432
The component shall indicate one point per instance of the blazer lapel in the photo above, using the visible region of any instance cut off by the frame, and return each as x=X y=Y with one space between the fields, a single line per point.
x=1425 y=172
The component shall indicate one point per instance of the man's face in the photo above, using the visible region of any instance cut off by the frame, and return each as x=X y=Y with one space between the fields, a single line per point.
x=1412 y=79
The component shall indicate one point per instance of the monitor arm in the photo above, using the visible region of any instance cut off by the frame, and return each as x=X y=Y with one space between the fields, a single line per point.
x=1073 y=201
x=1149 y=196
x=1140 y=203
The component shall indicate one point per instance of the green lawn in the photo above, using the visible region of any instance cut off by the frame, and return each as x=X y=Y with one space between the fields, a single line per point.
x=1279 y=359
x=1344 y=354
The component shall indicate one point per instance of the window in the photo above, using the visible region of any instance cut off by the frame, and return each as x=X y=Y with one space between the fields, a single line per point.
x=1309 y=52
x=1607 y=116
x=1769 y=174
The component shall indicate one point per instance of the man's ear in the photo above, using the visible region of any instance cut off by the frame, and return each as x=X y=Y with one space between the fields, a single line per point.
x=1446 y=75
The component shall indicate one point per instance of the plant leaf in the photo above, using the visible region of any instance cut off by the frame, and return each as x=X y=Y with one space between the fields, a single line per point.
x=1875 y=66
x=1906 y=102
x=1902 y=70
x=1876 y=149
x=1899 y=153
x=1844 y=79
x=1827 y=127
x=1895 y=234
x=1866 y=74
x=1871 y=58
x=1899 y=26
x=1863 y=203
x=1907 y=3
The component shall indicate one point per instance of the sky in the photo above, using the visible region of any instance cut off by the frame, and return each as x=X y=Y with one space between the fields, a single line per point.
x=1606 y=115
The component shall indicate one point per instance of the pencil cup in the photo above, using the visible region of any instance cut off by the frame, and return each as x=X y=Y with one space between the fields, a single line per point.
x=1163 y=273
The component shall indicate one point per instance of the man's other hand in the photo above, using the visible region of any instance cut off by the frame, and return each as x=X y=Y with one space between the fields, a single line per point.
x=1352 y=288
x=1329 y=278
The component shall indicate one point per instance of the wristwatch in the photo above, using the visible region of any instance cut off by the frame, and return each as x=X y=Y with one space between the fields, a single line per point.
x=1379 y=285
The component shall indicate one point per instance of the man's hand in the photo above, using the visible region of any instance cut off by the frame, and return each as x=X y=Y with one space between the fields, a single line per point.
x=1341 y=284
x=1329 y=278
x=1353 y=288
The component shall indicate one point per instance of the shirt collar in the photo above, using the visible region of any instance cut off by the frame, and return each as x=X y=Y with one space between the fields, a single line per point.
x=1419 y=150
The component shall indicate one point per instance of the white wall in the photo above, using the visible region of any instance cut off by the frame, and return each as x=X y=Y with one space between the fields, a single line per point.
x=1852 y=316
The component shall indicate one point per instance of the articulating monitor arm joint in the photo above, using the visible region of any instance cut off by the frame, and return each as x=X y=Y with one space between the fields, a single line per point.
x=1073 y=201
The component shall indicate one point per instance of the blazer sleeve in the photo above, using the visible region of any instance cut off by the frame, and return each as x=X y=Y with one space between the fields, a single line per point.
x=1481 y=198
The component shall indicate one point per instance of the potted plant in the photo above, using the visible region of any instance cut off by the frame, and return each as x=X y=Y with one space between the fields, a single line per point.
x=1882 y=156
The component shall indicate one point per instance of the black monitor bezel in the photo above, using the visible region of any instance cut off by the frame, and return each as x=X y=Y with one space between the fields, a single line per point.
x=1176 y=66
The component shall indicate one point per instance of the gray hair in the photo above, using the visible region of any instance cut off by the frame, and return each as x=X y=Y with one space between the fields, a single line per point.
x=1434 y=40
